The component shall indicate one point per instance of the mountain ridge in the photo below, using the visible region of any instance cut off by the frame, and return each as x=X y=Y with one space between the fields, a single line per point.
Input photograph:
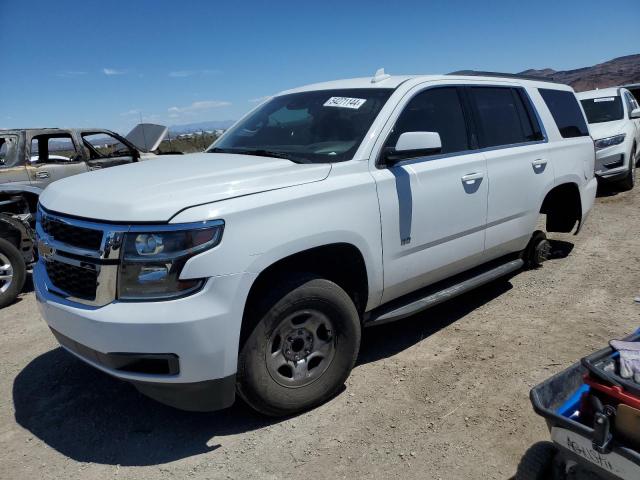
x=617 y=71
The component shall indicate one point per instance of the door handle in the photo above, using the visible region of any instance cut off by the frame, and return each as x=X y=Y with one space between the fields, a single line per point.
x=471 y=178
x=42 y=174
x=539 y=163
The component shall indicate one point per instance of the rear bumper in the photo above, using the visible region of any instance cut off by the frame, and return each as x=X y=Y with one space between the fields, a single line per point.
x=181 y=352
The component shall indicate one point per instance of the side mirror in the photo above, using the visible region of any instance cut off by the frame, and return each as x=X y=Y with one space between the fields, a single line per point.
x=413 y=144
x=635 y=113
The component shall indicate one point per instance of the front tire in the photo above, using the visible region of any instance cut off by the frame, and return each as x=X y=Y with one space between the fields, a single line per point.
x=13 y=272
x=300 y=346
x=630 y=180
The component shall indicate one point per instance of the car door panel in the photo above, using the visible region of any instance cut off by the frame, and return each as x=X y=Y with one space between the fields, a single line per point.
x=518 y=179
x=106 y=150
x=433 y=220
x=52 y=157
x=519 y=167
x=432 y=208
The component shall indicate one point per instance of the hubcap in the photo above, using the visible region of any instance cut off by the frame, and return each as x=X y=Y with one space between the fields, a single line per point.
x=6 y=273
x=301 y=348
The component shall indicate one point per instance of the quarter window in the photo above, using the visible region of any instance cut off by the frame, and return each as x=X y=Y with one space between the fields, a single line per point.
x=8 y=147
x=435 y=110
x=503 y=117
x=566 y=112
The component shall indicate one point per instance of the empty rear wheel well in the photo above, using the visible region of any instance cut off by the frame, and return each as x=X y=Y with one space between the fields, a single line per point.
x=563 y=208
x=342 y=263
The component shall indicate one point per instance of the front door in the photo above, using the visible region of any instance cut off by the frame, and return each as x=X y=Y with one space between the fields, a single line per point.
x=106 y=150
x=433 y=208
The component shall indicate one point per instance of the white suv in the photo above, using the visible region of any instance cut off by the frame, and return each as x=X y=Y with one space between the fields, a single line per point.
x=614 y=122
x=253 y=267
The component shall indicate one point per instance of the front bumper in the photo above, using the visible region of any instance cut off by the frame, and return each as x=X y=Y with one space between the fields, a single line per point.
x=612 y=163
x=202 y=331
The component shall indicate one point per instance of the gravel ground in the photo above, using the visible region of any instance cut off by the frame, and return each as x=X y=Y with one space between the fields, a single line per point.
x=443 y=394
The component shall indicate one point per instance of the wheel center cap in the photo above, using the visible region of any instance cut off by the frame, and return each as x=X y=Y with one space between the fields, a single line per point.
x=297 y=344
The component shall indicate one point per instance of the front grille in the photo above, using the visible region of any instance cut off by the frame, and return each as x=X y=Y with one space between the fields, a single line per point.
x=76 y=281
x=75 y=236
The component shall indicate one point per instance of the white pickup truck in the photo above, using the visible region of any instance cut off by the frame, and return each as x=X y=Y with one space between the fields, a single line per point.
x=253 y=267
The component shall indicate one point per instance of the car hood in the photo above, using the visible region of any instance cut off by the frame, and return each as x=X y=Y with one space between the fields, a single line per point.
x=606 y=129
x=154 y=191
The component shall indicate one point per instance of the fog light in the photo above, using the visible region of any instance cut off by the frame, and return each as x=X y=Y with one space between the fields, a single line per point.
x=150 y=274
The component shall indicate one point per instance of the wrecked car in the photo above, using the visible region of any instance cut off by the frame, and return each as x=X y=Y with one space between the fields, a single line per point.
x=31 y=159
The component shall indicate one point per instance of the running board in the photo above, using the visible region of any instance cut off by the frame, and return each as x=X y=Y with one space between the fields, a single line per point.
x=385 y=315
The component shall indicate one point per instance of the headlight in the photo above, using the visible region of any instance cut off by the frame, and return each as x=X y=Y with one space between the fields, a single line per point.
x=610 y=141
x=152 y=260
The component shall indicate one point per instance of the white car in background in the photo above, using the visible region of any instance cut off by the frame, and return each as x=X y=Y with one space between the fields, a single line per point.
x=614 y=123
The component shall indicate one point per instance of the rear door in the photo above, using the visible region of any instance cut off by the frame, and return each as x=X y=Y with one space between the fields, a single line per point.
x=106 y=150
x=518 y=165
x=53 y=156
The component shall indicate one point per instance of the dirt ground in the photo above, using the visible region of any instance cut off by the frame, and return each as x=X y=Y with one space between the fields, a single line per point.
x=442 y=395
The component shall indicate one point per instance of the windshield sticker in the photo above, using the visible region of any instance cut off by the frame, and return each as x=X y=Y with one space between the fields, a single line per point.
x=604 y=99
x=345 y=102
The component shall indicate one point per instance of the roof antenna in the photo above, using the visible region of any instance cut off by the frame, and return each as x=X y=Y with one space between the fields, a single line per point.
x=380 y=76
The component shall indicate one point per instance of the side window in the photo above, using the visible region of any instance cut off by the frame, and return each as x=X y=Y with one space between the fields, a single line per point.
x=434 y=110
x=503 y=117
x=103 y=145
x=631 y=102
x=58 y=148
x=566 y=112
x=8 y=150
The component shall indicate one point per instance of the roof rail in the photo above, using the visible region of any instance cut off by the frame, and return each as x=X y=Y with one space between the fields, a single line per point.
x=478 y=73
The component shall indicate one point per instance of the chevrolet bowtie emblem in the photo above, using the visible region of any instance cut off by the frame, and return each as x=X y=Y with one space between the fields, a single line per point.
x=45 y=250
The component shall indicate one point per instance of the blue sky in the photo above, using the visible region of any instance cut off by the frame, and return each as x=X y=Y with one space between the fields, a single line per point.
x=97 y=63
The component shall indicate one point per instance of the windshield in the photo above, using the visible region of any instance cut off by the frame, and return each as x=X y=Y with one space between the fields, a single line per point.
x=308 y=127
x=605 y=109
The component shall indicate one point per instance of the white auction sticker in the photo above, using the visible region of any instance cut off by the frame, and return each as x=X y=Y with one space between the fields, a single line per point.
x=604 y=99
x=345 y=102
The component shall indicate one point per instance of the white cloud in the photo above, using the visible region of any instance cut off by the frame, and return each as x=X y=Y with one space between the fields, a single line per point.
x=191 y=73
x=70 y=73
x=259 y=99
x=130 y=112
x=182 y=73
x=199 y=106
x=113 y=71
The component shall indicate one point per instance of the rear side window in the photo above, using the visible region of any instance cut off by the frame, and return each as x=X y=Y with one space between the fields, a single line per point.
x=434 y=110
x=504 y=116
x=566 y=112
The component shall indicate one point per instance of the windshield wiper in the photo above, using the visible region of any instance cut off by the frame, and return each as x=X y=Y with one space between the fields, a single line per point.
x=259 y=152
